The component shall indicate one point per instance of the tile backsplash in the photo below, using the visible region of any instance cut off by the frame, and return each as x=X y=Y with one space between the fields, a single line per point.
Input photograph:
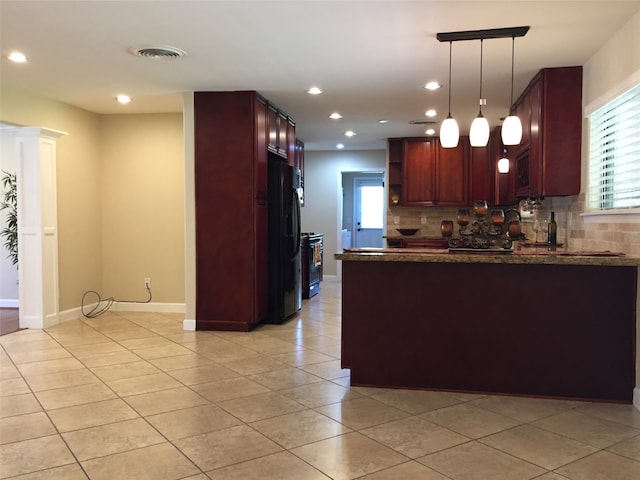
x=573 y=231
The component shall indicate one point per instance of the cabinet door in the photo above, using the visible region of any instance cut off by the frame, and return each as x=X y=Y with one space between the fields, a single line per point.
x=272 y=126
x=418 y=185
x=283 y=131
x=451 y=175
x=291 y=143
x=261 y=151
x=481 y=173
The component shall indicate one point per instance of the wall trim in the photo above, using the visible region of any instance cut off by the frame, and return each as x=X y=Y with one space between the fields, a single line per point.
x=9 y=303
x=636 y=397
x=189 y=325
x=148 y=307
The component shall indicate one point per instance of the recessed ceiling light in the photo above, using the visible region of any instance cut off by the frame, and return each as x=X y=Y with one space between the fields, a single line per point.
x=340 y=146
x=432 y=86
x=314 y=91
x=17 y=57
x=335 y=116
x=349 y=133
x=430 y=131
x=123 y=99
x=383 y=121
x=431 y=113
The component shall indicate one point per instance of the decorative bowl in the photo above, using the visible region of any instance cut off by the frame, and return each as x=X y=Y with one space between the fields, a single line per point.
x=407 y=231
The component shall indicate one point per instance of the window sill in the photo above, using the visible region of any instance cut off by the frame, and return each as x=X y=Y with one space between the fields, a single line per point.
x=612 y=216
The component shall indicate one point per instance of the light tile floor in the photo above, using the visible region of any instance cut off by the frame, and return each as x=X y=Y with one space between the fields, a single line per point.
x=133 y=396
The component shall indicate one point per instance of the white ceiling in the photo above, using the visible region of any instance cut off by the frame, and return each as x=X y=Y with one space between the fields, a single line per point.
x=371 y=58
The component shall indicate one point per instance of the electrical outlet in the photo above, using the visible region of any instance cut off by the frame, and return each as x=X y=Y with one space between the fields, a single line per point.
x=147 y=282
x=423 y=219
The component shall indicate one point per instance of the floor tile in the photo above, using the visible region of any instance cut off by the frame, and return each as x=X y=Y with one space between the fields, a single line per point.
x=112 y=438
x=284 y=378
x=622 y=413
x=260 y=406
x=540 y=447
x=362 y=412
x=225 y=447
x=164 y=401
x=587 y=429
x=319 y=393
x=416 y=401
x=76 y=395
x=253 y=365
x=525 y=409
x=406 y=471
x=171 y=350
x=18 y=405
x=278 y=466
x=13 y=386
x=156 y=462
x=69 y=378
x=32 y=356
x=627 y=448
x=33 y=455
x=229 y=388
x=469 y=420
x=109 y=358
x=81 y=351
x=474 y=461
x=299 y=428
x=66 y=472
x=302 y=357
x=203 y=374
x=49 y=366
x=124 y=370
x=189 y=422
x=602 y=466
x=348 y=456
x=190 y=360
x=24 y=427
x=142 y=384
x=414 y=436
x=147 y=342
x=327 y=370
x=91 y=415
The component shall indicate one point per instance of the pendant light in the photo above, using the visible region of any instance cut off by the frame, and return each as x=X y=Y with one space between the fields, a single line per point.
x=479 y=133
x=512 y=127
x=449 y=132
x=503 y=163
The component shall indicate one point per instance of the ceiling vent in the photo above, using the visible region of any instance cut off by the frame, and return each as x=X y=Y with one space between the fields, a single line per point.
x=422 y=122
x=162 y=52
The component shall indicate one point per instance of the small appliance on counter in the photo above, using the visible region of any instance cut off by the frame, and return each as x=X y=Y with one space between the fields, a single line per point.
x=312 y=250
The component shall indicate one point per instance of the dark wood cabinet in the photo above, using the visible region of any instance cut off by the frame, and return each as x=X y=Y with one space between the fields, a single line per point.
x=232 y=138
x=281 y=132
x=504 y=192
x=422 y=173
x=548 y=160
x=481 y=170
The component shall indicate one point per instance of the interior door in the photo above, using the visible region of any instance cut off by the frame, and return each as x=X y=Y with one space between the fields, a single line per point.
x=368 y=212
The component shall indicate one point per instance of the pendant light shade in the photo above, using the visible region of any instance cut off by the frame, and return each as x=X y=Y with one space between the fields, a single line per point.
x=449 y=132
x=511 y=130
x=503 y=163
x=512 y=126
x=479 y=133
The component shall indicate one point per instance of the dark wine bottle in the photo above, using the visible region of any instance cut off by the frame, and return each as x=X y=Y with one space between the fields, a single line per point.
x=552 y=235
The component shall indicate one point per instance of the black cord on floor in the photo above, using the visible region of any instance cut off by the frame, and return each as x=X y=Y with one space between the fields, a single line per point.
x=100 y=308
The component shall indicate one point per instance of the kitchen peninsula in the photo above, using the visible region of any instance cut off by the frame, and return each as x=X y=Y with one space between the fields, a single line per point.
x=551 y=324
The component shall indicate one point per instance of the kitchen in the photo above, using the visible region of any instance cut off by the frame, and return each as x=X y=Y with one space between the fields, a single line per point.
x=111 y=165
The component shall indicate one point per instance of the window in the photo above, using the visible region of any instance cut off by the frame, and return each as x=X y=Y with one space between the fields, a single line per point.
x=371 y=206
x=614 y=153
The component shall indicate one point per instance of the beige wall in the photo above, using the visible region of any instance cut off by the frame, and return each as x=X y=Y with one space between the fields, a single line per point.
x=142 y=206
x=120 y=199
x=78 y=184
x=323 y=180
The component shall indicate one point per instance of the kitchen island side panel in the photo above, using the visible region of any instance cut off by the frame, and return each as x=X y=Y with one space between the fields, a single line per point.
x=539 y=330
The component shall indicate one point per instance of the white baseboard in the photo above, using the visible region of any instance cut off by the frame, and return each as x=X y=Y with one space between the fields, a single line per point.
x=9 y=303
x=636 y=397
x=149 y=307
x=189 y=325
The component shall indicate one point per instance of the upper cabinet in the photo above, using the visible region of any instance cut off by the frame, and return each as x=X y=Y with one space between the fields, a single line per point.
x=548 y=160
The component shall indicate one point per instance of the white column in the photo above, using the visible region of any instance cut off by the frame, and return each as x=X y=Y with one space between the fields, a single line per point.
x=37 y=226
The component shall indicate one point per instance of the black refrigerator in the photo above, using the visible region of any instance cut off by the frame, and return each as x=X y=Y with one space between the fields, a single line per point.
x=285 y=281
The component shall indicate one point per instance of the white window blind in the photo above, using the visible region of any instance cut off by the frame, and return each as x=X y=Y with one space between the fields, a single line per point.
x=614 y=153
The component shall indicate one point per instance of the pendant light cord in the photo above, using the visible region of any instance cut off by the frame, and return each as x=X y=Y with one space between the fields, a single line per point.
x=450 y=48
x=481 y=40
x=513 y=46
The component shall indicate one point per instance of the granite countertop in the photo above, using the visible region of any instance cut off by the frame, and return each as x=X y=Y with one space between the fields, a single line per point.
x=533 y=256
